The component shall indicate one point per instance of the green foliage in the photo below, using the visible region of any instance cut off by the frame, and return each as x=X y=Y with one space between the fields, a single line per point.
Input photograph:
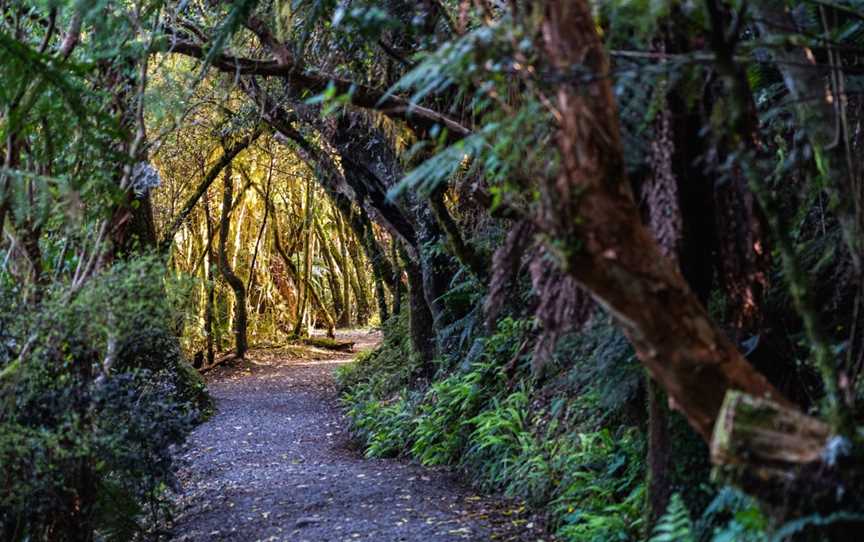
x=92 y=409
x=385 y=370
x=590 y=482
x=599 y=357
x=387 y=426
x=731 y=516
x=601 y=493
x=510 y=144
x=675 y=524
x=441 y=433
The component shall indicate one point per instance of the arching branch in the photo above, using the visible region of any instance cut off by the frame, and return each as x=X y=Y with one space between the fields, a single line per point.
x=227 y=156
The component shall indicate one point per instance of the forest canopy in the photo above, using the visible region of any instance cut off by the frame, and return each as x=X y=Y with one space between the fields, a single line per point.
x=615 y=249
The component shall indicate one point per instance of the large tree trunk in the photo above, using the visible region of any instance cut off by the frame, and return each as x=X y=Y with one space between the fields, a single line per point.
x=240 y=342
x=420 y=317
x=589 y=209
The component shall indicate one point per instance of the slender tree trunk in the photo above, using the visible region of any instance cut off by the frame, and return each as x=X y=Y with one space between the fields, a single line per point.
x=262 y=228
x=396 y=279
x=344 y=264
x=301 y=328
x=461 y=249
x=296 y=276
x=659 y=481
x=381 y=297
x=211 y=285
x=332 y=278
x=239 y=322
x=420 y=320
x=360 y=285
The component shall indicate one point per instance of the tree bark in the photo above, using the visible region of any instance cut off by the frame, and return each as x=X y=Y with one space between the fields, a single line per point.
x=224 y=161
x=659 y=483
x=332 y=278
x=420 y=319
x=396 y=279
x=297 y=277
x=240 y=341
x=344 y=265
x=590 y=213
x=360 y=284
x=462 y=250
x=211 y=285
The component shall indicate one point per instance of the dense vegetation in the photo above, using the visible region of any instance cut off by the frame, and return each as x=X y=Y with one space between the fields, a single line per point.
x=615 y=249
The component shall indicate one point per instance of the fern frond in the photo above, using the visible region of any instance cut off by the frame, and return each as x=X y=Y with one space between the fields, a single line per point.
x=675 y=524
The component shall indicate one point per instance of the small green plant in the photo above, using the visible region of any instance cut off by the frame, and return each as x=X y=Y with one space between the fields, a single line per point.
x=675 y=524
x=600 y=494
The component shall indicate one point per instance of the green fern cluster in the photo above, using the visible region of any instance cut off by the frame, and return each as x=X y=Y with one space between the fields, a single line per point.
x=589 y=481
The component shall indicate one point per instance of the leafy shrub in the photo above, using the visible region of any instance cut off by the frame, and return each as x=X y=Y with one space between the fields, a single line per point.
x=385 y=370
x=92 y=410
x=501 y=445
x=386 y=427
x=732 y=516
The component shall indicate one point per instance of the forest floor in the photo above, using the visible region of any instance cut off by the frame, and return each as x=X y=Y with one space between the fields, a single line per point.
x=277 y=463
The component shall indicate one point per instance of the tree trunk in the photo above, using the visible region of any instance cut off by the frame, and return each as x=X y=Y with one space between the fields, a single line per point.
x=659 y=483
x=420 y=317
x=462 y=250
x=344 y=265
x=296 y=276
x=211 y=285
x=332 y=278
x=360 y=285
x=598 y=236
x=381 y=296
x=396 y=279
x=239 y=324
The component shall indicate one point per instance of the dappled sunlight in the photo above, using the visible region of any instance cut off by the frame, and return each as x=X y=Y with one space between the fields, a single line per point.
x=429 y=271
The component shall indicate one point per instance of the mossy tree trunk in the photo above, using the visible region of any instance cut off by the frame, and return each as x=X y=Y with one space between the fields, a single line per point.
x=590 y=213
x=240 y=318
x=210 y=293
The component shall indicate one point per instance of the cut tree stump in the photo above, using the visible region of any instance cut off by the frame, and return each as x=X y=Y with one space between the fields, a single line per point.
x=758 y=441
x=790 y=461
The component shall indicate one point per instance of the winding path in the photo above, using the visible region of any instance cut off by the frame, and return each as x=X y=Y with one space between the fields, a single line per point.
x=275 y=463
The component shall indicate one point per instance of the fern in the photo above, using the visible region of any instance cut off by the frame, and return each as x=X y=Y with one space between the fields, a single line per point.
x=802 y=524
x=675 y=524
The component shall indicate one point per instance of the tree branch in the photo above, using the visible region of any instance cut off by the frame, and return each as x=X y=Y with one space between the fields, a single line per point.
x=420 y=119
x=227 y=156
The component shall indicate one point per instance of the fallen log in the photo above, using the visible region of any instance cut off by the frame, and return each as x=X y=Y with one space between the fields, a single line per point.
x=329 y=344
x=227 y=358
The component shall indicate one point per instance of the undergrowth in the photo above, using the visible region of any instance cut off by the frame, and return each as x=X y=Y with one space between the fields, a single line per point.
x=571 y=447
x=502 y=432
x=94 y=397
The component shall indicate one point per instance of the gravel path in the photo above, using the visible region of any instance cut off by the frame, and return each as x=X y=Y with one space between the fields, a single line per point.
x=276 y=463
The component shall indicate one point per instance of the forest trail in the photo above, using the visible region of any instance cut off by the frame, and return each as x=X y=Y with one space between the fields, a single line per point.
x=276 y=463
